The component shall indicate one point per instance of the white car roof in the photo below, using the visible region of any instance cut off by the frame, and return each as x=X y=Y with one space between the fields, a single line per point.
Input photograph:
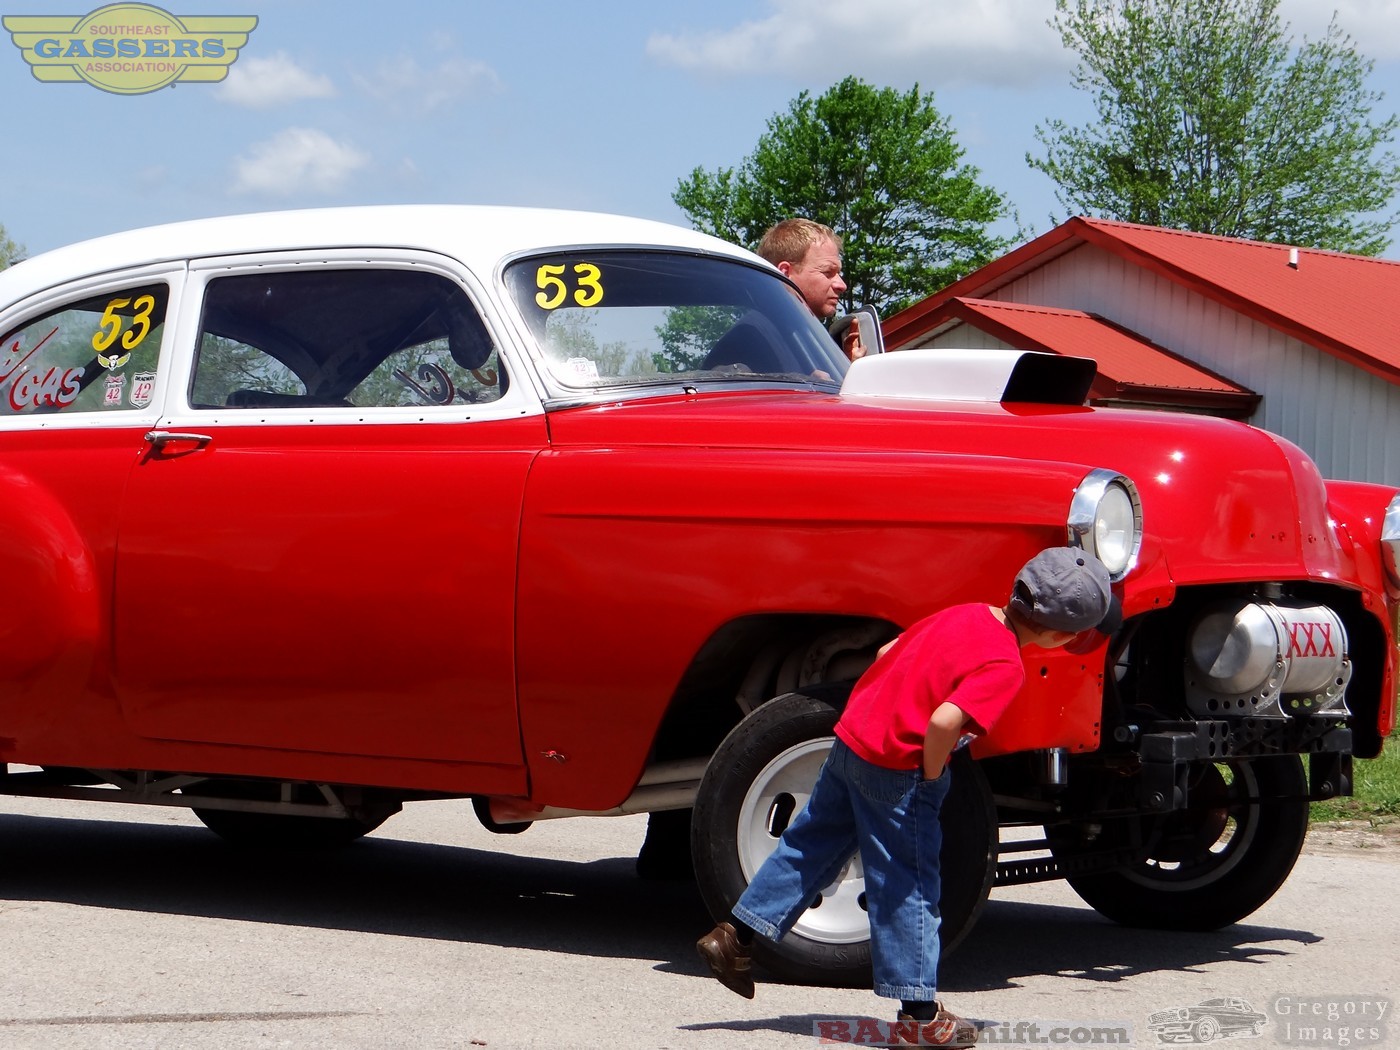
x=477 y=235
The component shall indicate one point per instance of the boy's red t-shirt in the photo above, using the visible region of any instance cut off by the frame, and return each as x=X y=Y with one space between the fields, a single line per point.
x=963 y=655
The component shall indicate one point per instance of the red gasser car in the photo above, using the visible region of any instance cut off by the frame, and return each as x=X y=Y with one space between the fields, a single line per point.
x=309 y=515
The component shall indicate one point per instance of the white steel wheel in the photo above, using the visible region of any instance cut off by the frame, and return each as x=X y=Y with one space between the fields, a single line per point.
x=777 y=794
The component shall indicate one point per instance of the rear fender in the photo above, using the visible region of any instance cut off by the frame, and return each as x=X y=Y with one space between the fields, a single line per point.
x=49 y=620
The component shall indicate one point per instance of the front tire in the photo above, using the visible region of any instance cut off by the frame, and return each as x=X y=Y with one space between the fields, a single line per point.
x=759 y=779
x=1211 y=864
x=1207 y=1030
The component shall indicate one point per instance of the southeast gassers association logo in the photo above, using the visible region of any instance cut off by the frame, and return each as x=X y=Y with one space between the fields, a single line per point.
x=129 y=49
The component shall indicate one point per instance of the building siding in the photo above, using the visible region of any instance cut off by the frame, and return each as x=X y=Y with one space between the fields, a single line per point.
x=1347 y=419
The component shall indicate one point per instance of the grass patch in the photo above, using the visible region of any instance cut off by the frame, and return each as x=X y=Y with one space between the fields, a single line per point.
x=1376 y=797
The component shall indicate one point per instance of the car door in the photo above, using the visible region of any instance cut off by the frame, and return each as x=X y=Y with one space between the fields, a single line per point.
x=318 y=552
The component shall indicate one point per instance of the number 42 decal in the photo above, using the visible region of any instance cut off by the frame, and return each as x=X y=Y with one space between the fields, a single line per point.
x=554 y=289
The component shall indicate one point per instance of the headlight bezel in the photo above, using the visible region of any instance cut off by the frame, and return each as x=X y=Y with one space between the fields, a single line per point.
x=1084 y=524
x=1390 y=541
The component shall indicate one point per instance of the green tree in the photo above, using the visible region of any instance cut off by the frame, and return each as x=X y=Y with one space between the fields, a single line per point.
x=226 y=365
x=689 y=333
x=1209 y=121
x=10 y=252
x=879 y=167
x=572 y=333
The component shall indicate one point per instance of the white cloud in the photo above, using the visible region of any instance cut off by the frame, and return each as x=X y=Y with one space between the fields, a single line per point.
x=297 y=161
x=1005 y=43
x=1373 y=24
x=262 y=83
x=402 y=81
x=1000 y=42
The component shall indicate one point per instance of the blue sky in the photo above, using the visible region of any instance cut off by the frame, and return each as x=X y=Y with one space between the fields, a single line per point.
x=600 y=106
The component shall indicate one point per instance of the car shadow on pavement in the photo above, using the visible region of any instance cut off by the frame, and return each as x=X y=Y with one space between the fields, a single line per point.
x=376 y=885
x=597 y=907
x=792 y=1024
x=1054 y=939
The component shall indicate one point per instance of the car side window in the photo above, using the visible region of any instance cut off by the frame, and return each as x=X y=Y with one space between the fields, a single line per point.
x=97 y=354
x=358 y=338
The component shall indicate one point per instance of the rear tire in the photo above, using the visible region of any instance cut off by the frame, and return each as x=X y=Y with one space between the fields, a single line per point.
x=760 y=777
x=276 y=830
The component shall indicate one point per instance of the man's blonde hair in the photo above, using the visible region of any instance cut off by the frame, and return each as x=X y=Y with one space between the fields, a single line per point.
x=790 y=240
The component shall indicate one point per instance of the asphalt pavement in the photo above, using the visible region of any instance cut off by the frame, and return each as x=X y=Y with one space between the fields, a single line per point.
x=128 y=927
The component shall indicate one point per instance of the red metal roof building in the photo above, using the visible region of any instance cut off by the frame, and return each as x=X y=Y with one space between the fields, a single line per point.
x=1295 y=340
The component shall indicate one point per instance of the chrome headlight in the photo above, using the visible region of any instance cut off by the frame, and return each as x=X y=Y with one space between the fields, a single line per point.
x=1390 y=540
x=1105 y=519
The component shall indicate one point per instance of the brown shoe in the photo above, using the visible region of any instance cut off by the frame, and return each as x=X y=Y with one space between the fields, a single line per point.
x=946 y=1029
x=727 y=959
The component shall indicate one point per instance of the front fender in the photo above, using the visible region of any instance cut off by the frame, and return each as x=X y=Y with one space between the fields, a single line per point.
x=633 y=558
x=1358 y=509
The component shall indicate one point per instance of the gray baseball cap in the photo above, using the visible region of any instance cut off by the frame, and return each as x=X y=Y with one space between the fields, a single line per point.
x=1066 y=589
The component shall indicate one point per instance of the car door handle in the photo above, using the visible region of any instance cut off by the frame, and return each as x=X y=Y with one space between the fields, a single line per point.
x=174 y=442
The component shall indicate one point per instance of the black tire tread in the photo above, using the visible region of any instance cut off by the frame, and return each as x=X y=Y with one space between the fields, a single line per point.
x=1274 y=849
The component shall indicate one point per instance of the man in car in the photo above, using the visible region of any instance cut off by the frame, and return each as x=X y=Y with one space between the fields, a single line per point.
x=809 y=254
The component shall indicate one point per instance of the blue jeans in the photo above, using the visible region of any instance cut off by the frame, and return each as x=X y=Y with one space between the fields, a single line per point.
x=892 y=817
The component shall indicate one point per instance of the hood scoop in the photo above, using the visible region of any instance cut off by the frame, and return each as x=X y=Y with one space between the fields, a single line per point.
x=972 y=375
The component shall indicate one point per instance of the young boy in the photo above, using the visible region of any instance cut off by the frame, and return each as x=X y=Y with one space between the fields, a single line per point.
x=881 y=788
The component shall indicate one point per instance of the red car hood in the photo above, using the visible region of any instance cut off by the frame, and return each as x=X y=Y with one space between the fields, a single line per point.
x=1221 y=500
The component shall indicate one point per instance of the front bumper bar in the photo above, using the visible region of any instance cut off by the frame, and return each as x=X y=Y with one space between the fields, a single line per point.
x=1169 y=750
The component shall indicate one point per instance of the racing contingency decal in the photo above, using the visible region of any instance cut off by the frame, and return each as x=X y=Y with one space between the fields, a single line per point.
x=143 y=385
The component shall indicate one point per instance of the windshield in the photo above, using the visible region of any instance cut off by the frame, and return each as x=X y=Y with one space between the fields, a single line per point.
x=610 y=319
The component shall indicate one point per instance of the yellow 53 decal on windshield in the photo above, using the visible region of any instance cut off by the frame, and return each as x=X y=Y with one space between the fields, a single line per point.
x=554 y=280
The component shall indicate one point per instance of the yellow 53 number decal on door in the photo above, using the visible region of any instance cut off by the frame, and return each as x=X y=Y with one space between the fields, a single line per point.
x=553 y=283
x=111 y=324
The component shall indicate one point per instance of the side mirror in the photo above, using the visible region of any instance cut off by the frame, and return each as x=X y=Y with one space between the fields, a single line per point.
x=871 y=335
